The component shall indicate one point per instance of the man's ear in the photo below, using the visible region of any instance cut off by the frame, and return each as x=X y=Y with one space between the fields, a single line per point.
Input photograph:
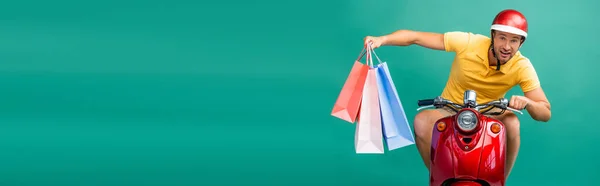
x=522 y=41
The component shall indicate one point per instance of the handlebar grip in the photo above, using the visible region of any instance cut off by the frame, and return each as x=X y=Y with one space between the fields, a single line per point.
x=425 y=102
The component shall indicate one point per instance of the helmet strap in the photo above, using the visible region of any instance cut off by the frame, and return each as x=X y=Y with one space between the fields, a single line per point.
x=498 y=60
x=494 y=53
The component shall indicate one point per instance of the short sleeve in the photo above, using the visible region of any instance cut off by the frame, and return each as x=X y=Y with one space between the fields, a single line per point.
x=456 y=41
x=528 y=78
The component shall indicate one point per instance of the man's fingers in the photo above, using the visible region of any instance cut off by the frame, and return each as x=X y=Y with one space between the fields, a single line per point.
x=370 y=41
x=512 y=102
x=519 y=104
x=522 y=103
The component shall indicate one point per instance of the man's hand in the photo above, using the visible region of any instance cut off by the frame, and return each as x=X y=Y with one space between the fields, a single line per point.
x=519 y=102
x=375 y=42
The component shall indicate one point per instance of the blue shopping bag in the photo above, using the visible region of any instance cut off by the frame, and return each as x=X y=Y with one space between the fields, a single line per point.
x=396 y=130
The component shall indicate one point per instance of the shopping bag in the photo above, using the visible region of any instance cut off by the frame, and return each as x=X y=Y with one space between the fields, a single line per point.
x=349 y=99
x=396 y=130
x=368 y=135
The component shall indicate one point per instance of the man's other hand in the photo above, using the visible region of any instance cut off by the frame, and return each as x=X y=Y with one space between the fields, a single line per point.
x=519 y=102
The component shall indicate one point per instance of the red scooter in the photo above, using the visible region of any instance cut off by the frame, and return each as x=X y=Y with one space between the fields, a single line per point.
x=468 y=148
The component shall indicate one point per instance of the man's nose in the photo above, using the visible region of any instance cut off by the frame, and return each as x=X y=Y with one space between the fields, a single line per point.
x=506 y=46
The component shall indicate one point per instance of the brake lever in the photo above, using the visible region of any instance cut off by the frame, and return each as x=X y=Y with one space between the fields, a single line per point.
x=425 y=107
x=514 y=110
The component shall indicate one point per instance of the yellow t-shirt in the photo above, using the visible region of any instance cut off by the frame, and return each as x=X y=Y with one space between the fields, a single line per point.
x=471 y=70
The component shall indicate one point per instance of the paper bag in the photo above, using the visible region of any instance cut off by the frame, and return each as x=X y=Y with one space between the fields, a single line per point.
x=368 y=135
x=349 y=99
x=396 y=129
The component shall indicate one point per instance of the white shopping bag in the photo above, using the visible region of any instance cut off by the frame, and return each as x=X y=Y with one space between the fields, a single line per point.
x=368 y=135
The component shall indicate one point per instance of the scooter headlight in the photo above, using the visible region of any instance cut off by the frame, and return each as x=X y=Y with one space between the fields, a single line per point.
x=467 y=120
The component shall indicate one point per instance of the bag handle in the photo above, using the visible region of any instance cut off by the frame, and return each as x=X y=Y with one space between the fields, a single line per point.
x=368 y=51
x=371 y=50
x=362 y=53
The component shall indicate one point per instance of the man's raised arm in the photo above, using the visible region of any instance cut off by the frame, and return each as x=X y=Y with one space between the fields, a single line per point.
x=408 y=37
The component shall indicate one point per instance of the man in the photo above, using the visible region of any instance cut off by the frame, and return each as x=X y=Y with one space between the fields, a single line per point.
x=490 y=66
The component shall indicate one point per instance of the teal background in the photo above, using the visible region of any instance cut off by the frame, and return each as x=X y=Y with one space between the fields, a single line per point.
x=240 y=92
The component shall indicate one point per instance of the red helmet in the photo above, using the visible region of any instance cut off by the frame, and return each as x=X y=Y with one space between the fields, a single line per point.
x=510 y=21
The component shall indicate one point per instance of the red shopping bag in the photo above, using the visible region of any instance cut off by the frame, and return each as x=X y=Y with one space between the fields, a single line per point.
x=348 y=102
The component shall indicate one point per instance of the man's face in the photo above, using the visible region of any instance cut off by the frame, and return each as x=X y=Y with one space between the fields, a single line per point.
x=506 y=45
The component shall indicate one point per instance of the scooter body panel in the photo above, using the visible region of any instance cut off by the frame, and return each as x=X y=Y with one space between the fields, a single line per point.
x=478 y=156
x=492 y=167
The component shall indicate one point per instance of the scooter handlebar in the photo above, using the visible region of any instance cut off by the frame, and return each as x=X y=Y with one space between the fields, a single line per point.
x=425 y=102
x=502 y=103
x=439 y=102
